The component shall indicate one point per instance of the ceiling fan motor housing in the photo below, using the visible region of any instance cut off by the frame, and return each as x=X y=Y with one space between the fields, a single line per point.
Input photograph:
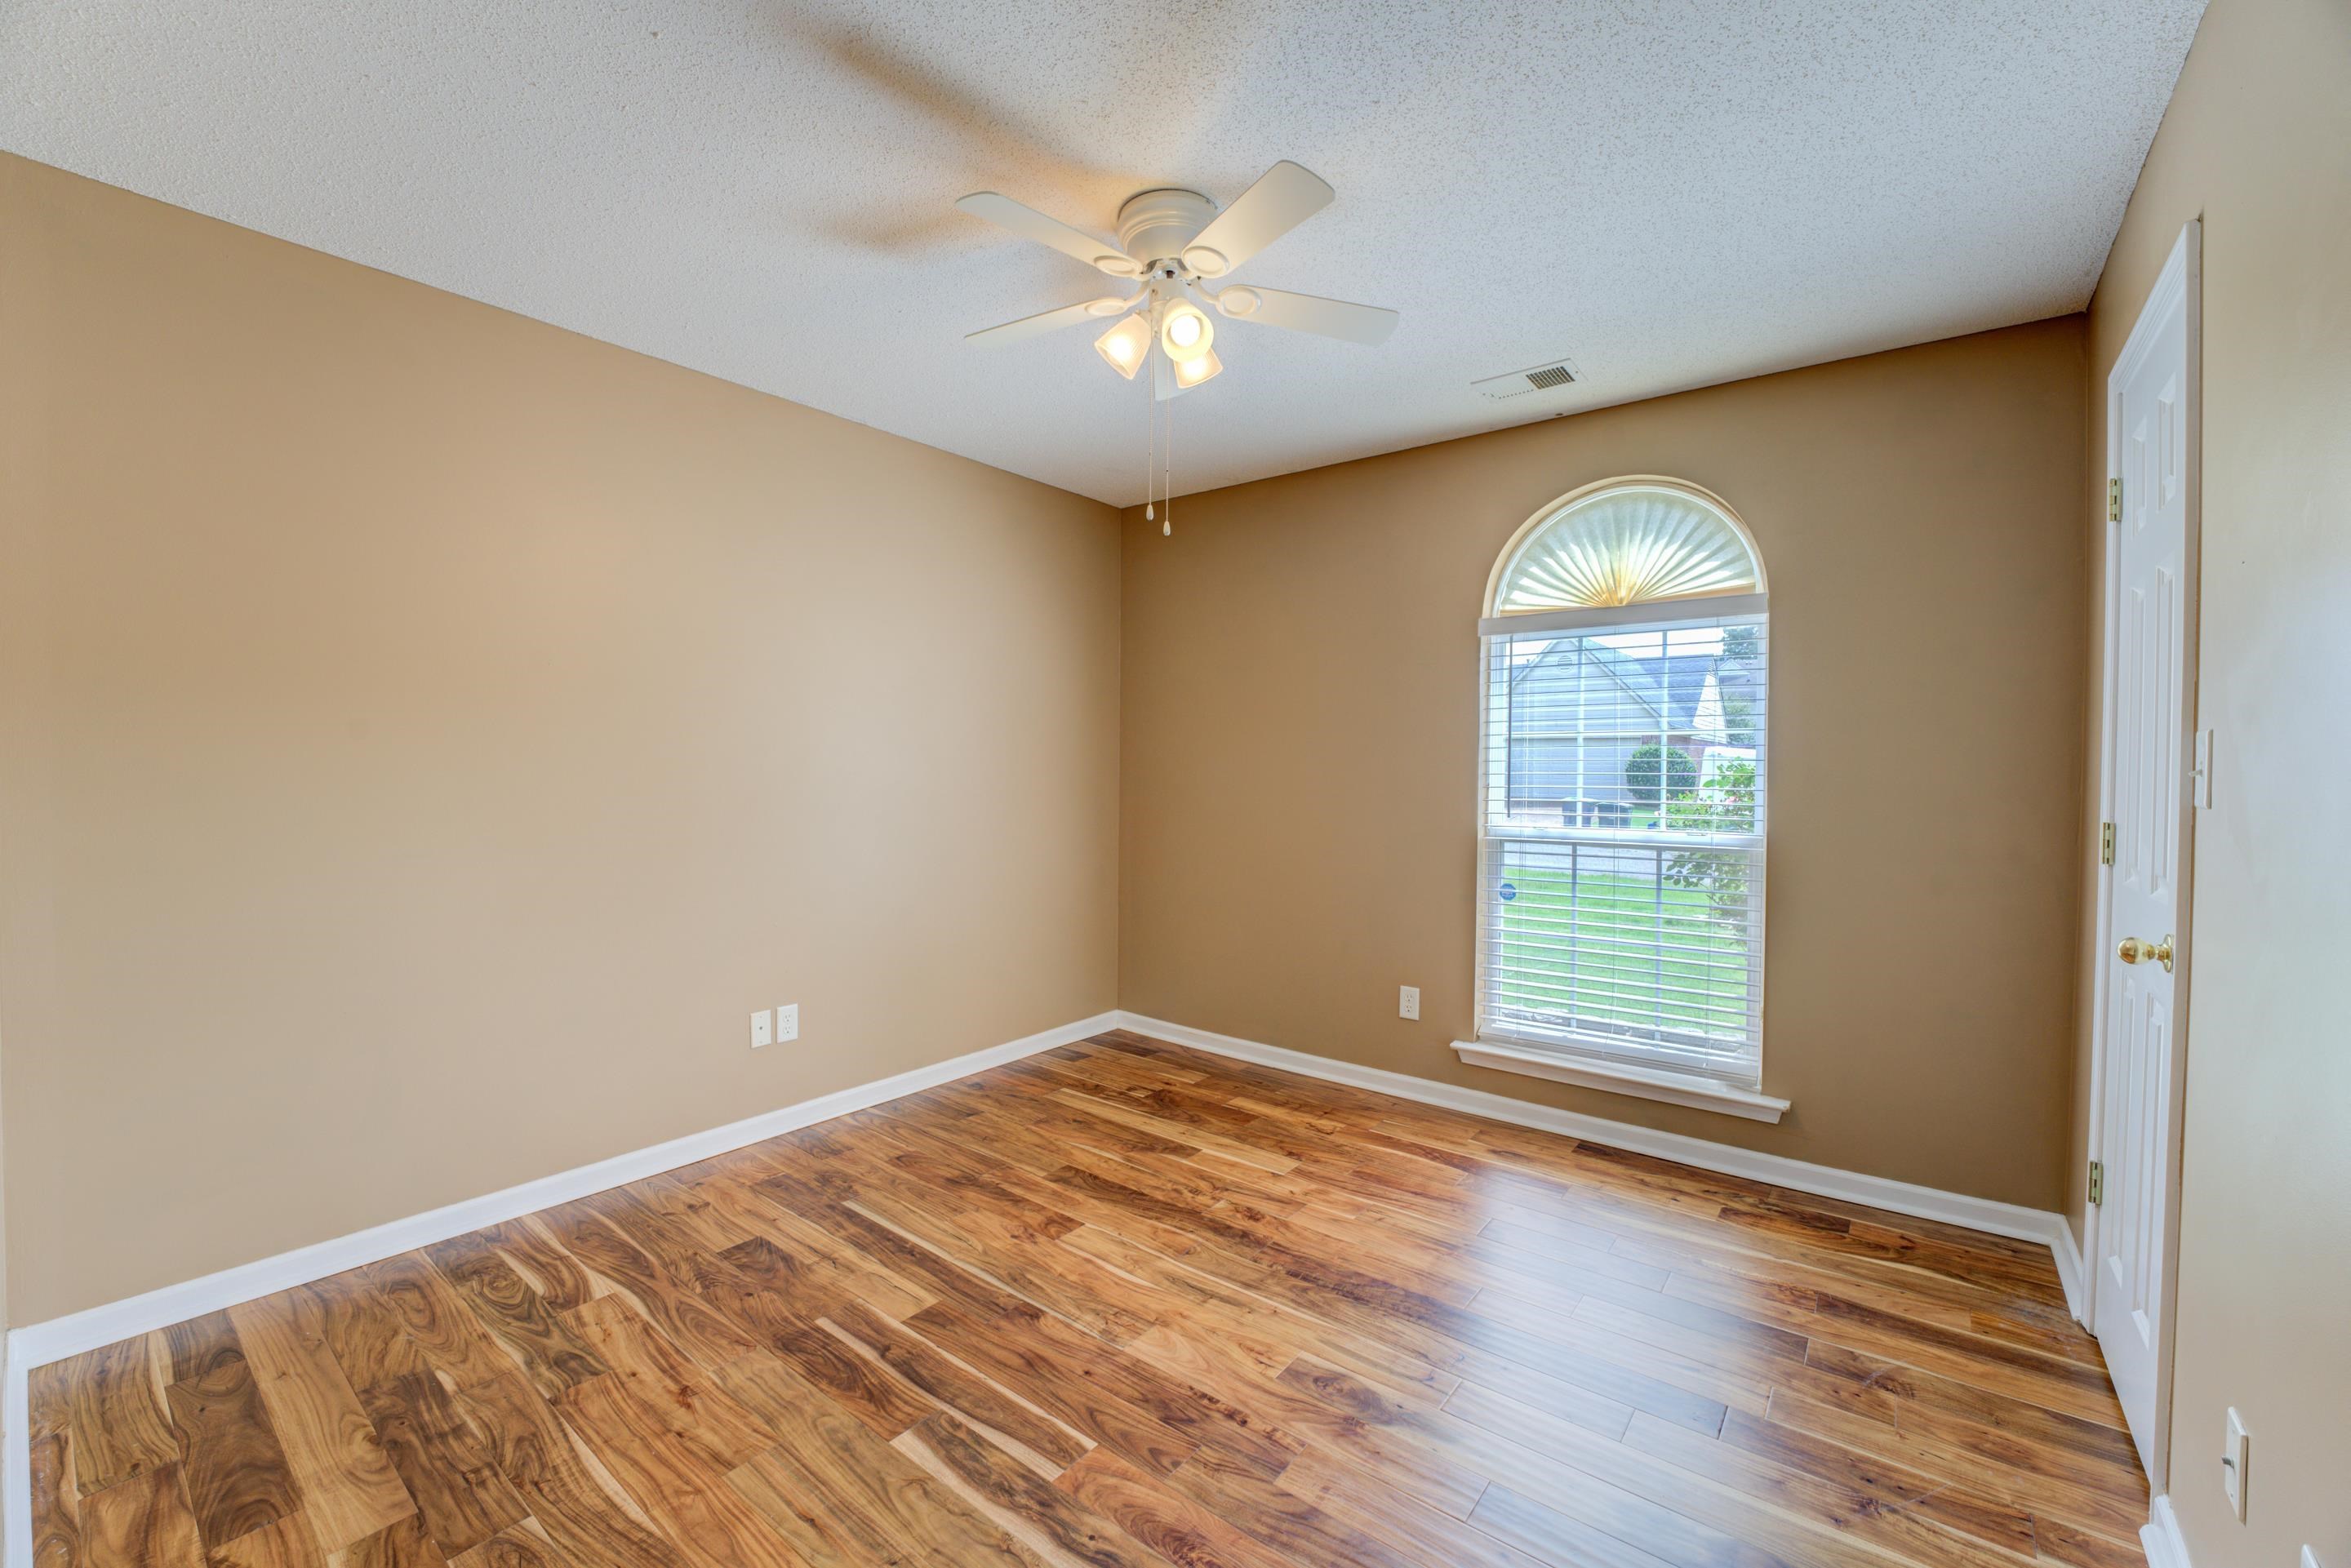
x=1155 y=226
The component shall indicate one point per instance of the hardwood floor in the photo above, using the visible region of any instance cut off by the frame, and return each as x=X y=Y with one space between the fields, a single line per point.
x=1124 y=1303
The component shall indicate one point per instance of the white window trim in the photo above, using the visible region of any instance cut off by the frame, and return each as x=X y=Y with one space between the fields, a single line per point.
x=1647 y=613
x=1623 y=1078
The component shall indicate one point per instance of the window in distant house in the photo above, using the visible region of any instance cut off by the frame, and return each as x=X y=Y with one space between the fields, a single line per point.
x=1625 y=758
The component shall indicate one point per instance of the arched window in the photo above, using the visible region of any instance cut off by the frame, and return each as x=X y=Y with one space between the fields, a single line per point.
x=1621 y=907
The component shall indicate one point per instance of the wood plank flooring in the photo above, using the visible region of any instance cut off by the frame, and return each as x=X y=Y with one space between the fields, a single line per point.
x=1123 y=1304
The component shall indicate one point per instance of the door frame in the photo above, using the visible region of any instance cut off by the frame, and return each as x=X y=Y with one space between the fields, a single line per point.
x=2182 y=275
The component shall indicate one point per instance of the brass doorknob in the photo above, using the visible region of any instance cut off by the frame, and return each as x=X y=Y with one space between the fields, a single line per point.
x=2132 y=950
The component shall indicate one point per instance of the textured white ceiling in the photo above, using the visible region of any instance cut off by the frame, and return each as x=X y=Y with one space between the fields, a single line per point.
x=1673 y=193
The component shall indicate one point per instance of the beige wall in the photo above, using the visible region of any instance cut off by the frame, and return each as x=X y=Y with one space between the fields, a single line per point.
x=1301 y=722
x=2257 y=142
x=428 y=736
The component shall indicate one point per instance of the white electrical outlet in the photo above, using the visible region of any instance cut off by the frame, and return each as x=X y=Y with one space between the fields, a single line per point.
x=788 y=1022
x=2235 y=1452
x=763 y=1029
x=1408 y=1001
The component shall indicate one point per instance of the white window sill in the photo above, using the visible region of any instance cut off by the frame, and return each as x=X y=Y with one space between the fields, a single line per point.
x=1620 y=1078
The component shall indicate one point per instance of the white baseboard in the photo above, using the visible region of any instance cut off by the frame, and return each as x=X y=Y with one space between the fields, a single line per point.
x=37 y=1344
x=2069 y=1270
x=2160 y=1539
x=2012 y=1220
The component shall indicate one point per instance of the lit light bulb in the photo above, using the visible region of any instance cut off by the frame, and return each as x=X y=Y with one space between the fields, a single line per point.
x=1125 y=346
x=1184 y=332
x=1191 y=372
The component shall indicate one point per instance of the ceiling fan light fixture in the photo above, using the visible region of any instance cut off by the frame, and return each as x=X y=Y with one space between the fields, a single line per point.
x=1186 y=332
x=1190 y=373
x=1125 y=346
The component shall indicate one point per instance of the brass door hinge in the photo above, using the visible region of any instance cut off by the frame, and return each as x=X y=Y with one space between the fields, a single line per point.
x=2097 y=1181
x=2106 y=843
x=2114 y=500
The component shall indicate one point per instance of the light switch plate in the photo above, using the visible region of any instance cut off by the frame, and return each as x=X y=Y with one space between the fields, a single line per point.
x=788 y=1022
x=1408 y=1001
x=2235 y=1452
x=763 y=1029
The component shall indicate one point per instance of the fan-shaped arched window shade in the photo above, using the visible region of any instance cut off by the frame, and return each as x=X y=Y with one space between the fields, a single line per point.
x=1632 y=542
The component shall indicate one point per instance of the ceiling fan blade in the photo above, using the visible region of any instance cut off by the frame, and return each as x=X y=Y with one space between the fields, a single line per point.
x=1029 y=224
x=1367 y=324
x=1283 y=197
x=1050 y=320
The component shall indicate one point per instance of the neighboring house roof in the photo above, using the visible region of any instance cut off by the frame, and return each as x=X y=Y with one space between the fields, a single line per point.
x=1671 y=686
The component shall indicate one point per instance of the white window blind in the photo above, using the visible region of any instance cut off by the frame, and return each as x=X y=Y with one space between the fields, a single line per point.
x=1621 y=836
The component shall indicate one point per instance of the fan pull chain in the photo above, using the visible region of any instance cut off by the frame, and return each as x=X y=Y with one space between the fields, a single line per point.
x=1150 y=450
x=1167 y=484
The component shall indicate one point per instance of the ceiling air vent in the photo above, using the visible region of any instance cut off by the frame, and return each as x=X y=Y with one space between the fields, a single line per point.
x=1541 y=378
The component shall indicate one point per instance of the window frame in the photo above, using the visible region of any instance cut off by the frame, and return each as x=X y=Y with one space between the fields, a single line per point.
x=1652 y=1070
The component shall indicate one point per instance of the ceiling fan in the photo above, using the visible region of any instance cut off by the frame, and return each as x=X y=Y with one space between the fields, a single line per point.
x=1171 y=240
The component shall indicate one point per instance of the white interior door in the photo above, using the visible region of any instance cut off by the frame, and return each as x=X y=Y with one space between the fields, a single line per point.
x=2152 y=621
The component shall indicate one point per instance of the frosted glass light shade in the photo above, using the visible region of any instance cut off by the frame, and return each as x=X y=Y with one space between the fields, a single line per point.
x=1125 y=346
x=1190 y=373
x=1184 y=332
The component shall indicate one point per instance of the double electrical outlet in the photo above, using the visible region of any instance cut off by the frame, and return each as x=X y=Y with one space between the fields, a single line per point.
x=783 y=1024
